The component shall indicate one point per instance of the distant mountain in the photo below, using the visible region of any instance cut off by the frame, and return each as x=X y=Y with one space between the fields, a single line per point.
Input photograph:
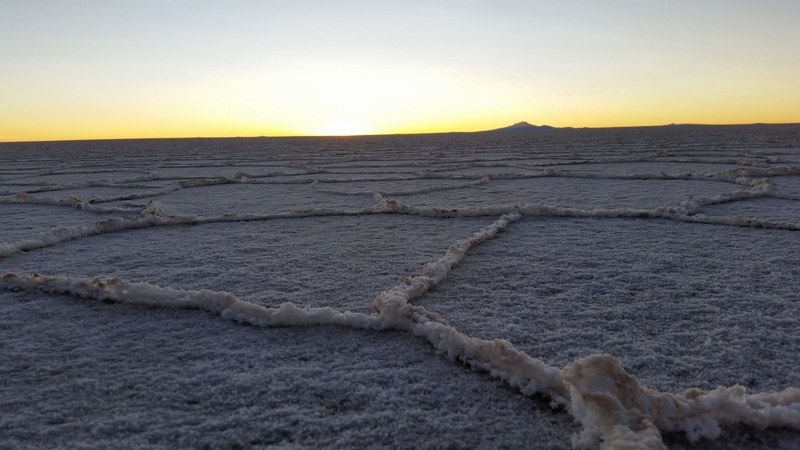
x=520 y=127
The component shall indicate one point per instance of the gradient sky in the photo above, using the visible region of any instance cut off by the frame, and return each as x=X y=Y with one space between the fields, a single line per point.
x=74 y=69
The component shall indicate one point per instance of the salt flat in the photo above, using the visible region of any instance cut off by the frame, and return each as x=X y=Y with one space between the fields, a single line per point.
x=547 y=289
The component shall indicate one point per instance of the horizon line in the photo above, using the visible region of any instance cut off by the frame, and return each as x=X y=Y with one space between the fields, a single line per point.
x=501 y=129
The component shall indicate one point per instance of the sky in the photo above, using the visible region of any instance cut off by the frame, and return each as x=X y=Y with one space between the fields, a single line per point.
x=83 y=69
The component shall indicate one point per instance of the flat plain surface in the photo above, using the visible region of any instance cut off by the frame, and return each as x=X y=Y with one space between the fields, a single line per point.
x=680 y=304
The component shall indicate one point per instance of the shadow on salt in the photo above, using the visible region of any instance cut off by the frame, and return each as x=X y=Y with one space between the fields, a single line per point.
x=80 y=177
x=791 y=155
x=104 y=192
x=788 y=184
x=256 y=198
x=489 y=170
x=765 y=208
x=392 y=187
x=572 y=193
x=232 y=170
x=646 y=167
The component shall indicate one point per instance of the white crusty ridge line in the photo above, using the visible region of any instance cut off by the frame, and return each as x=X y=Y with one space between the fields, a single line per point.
x=609 y=402
x=614 y=407
x=687 y=211
x=153 y=215
x=117 y=290
x=739 y=175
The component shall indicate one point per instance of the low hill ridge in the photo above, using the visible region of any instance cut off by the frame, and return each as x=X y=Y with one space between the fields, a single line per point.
x=522 y=126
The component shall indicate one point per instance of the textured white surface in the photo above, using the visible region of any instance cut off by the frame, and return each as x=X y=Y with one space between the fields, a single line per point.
x=645 y=244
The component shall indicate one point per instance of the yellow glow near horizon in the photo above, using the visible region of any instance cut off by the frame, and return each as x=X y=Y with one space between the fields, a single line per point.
x=351 y=99
x=307 y=99
x=382 y=68
x=354 y=99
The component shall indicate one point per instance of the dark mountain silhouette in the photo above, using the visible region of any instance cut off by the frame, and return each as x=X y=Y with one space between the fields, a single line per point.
x=520 y=127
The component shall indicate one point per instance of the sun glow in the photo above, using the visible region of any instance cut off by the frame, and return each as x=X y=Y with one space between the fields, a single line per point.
x=344 y=129
x=324 y=99
x=337 y=99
